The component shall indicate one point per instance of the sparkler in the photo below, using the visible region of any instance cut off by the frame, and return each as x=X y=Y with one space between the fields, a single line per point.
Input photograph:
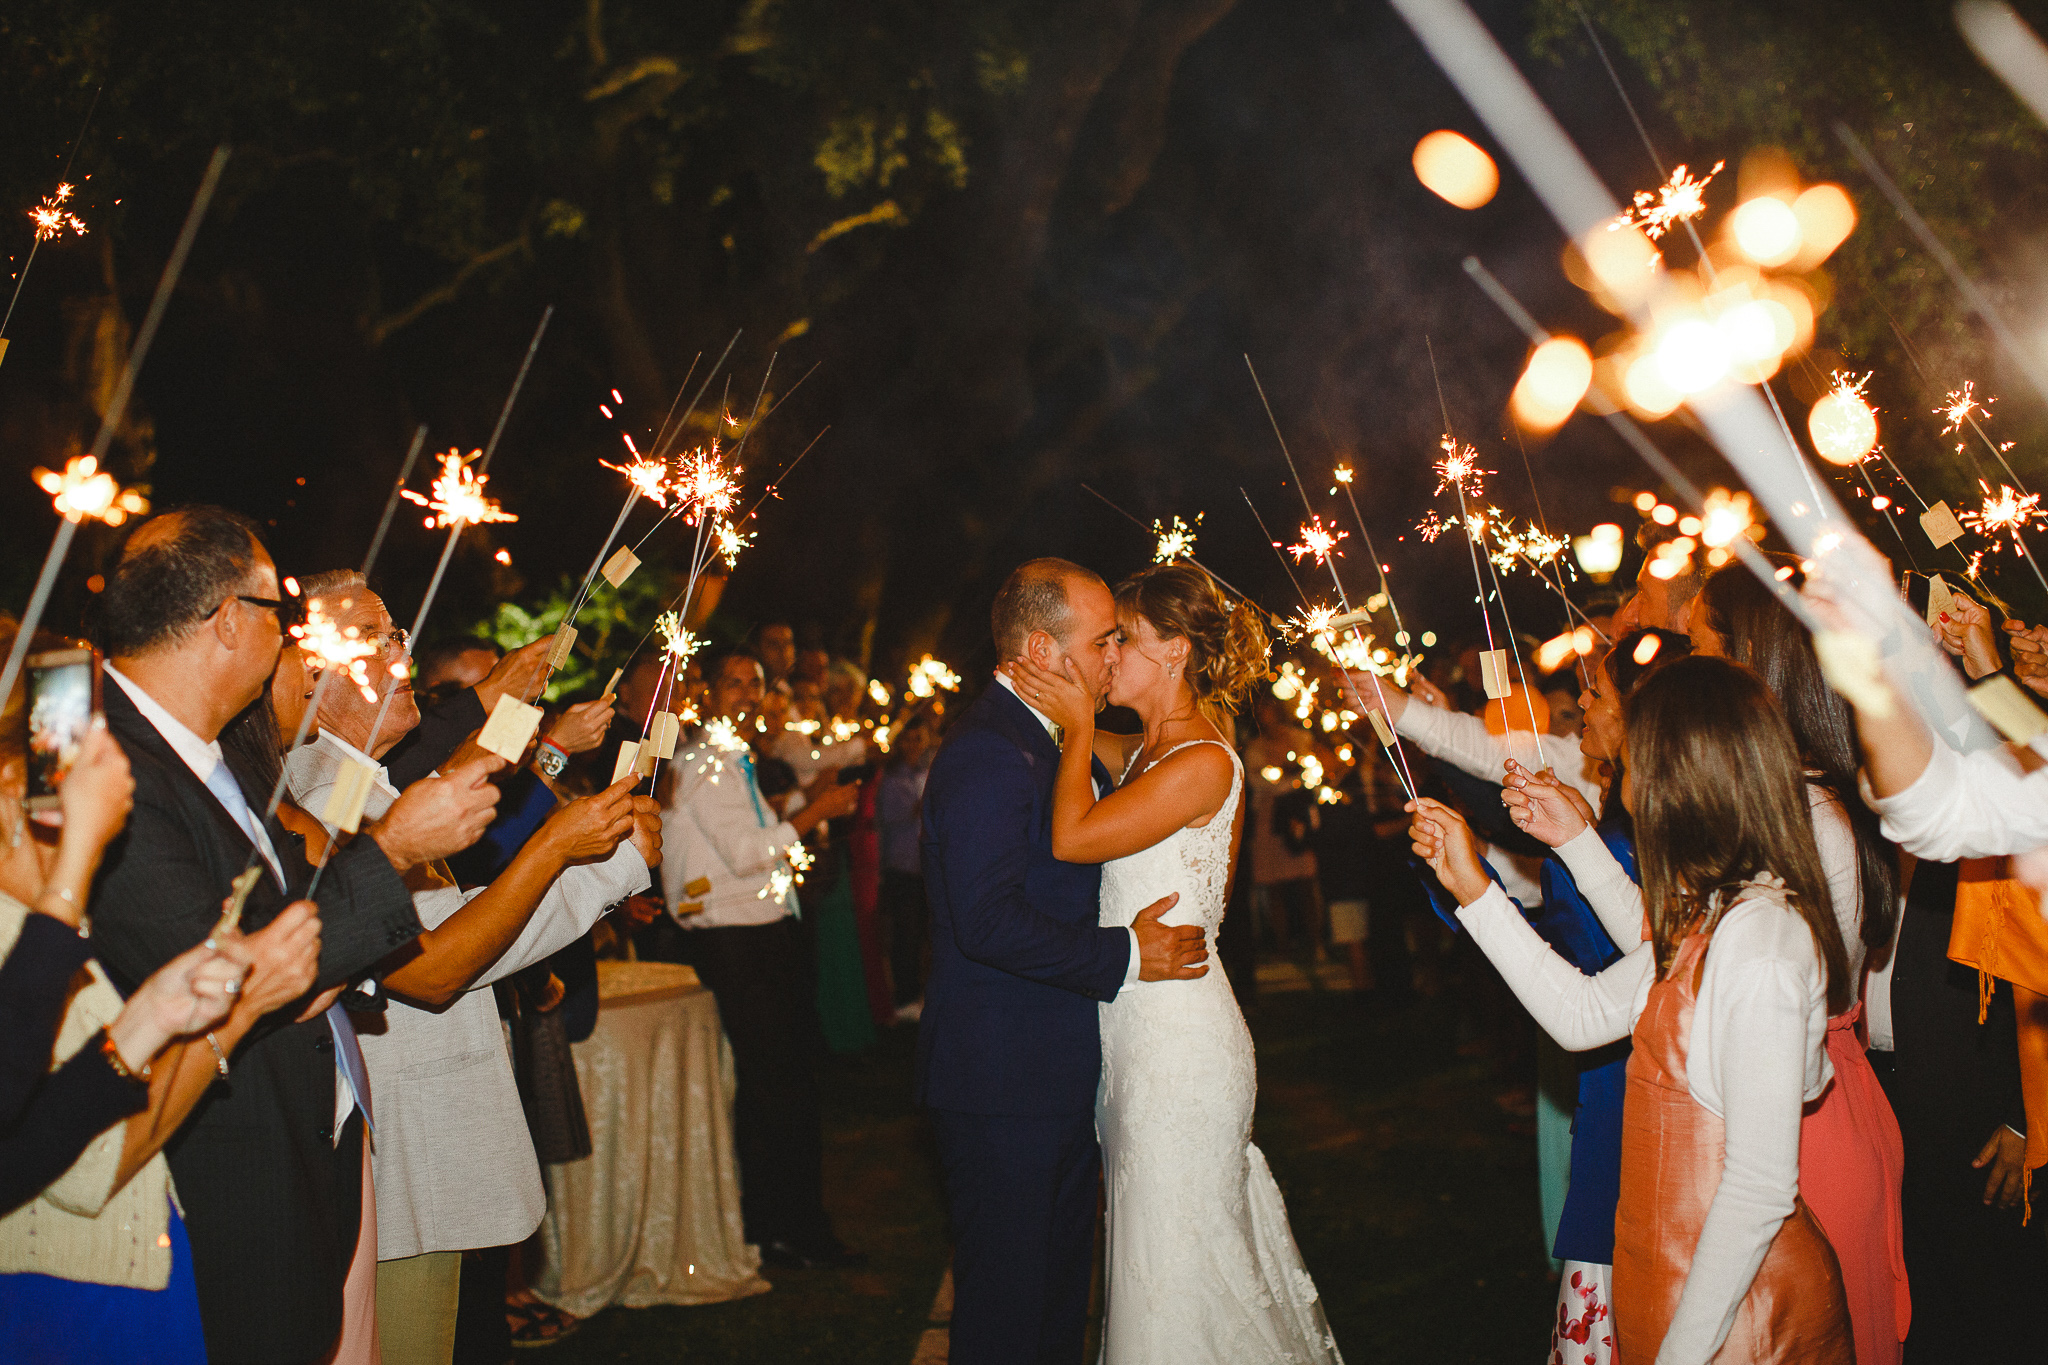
x=1459 y=469
x=50 y=217
x=1343 y=475
x=1219 y=580
x=2008 y=512
x=1389 y=741
x=1318 y=540
x=457 y=496
x=1679 y=200
x=110 y=421
x=928 y=677
x=329 y=645
x=1176 y=541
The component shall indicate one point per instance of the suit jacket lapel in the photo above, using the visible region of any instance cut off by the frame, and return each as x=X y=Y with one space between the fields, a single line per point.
x=132 y=728
x=1007 y=711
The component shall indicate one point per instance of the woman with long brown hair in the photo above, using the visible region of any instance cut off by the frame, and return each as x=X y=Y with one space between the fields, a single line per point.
x=1726 y=1002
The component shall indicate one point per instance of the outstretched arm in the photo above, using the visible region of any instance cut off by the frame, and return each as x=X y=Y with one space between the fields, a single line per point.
x=1183 y=790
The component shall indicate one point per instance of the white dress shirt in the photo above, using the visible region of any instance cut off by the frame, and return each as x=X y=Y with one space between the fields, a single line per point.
x=1051 y=730
x=1974 y=805
x=453 y=1162
x=1756 y=1055
x=1465 y=742
x=720 y=836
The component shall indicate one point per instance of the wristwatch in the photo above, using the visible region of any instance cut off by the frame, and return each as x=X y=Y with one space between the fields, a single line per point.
x=550 y=759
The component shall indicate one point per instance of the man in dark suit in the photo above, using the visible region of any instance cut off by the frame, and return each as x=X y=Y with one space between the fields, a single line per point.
x=1008 y=1052
x=269 y=1167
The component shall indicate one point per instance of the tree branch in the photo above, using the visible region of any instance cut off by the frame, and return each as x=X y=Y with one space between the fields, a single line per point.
x=381 y=328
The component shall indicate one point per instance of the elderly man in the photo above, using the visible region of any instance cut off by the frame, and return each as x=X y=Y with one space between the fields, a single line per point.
x=728 y=884
x=1659 y=602
x=270 y=1168
x=455 y=1166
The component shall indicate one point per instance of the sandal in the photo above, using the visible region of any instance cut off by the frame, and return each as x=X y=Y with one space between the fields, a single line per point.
x=539 y=1324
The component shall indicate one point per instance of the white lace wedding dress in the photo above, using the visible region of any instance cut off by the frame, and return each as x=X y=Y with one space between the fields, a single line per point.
x=1201 y=1265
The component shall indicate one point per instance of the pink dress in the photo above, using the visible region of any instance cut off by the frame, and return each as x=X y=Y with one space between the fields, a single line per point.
x=1850 y=1160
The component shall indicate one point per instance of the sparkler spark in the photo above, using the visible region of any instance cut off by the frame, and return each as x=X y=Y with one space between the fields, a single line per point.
x=85 y=490
x=1960 y=405
x=1679 y=200
x=1431 y=526
x=1459 y=468
x=1342 y=473
x=1726 y=516
x=731 y=540
x=457 y=496
x=2007 y=511
x=328 y=644
x=648 y=477
x=1176 y=541
x=928 y=676
x=676 y=640
x=1318 y=540
x=1313 y=622
x=52 y=219
x=706 y=486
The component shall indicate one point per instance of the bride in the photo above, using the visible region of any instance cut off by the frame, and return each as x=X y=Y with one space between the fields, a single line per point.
x=1201 y=1265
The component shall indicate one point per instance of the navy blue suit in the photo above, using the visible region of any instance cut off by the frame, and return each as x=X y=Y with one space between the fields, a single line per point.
x=1008 y=1050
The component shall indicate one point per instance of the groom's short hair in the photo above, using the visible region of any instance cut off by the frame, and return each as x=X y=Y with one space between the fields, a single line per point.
x=1033 y=597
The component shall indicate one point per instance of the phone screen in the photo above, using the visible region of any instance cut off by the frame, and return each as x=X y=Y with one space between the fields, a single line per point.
x=63 y=697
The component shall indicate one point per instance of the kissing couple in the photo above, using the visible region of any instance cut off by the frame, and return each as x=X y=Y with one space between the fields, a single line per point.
x=1071 y=1023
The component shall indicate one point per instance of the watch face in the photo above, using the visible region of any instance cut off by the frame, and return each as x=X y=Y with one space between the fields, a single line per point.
x=552 y=762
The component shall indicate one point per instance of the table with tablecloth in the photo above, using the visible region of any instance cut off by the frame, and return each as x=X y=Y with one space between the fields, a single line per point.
x=653 y=1214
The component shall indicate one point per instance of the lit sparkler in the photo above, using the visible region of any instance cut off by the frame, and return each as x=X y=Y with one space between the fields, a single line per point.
x=706 y=486
x=1318 y=540
x=674 y=639
x=1679 y=200
x=327 y=644
x=648 y=477
x=928 y=676
x=731 y=540
x=2007 y=512
x=85 y=490
x=457 y=496
x=1176 y=541
x=1961 y=405
x=1724 y=517
x=1459 y=468
x=52 y=219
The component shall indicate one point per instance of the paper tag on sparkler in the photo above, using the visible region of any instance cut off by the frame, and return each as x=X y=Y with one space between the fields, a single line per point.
x=1493 y=673
x=3 y=350
x=510 y=728
x=231 y=918
x=565 y=640
x=1349 y=620
x=1941 y=525
x=1939 y=599
x=629 y=755
x=644 y=761
x=345 y=800
x=2001 y=701
x=611 y=688
x=662 y=732
x=700 y=887
x=1381 y=728
x=1849 y=661
x=620 y=566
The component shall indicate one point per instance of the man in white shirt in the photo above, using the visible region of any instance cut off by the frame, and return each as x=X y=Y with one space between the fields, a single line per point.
x=728 y=879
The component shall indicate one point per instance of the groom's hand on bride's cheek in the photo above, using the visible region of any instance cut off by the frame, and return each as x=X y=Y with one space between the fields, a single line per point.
x=1169 y=952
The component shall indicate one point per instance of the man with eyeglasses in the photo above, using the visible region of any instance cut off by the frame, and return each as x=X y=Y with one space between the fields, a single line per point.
x=270 y=1167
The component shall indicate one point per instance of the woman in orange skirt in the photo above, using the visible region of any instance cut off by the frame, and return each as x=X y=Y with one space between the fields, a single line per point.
x=1728 y=998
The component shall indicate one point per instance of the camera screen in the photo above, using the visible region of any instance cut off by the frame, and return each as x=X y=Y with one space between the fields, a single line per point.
x=60 y=713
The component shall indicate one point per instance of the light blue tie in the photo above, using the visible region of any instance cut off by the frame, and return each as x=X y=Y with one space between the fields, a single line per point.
x=761 y=818
x=348 y=1055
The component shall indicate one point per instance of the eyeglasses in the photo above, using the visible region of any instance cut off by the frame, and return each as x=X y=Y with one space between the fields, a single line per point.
x=287 y=612
x=393 y=641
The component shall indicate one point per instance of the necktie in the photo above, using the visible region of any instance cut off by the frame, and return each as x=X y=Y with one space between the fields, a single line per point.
x=348 y=1055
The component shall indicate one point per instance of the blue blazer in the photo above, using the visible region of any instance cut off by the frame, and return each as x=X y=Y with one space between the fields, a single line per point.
x=1018 y=960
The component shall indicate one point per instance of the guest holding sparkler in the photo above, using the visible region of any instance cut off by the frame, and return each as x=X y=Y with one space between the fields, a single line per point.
x=454 y=1170
x=270 y=1170
x=1716 y=1255
x=729 y=875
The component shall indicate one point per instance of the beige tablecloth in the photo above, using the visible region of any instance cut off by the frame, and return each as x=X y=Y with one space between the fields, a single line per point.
x=653 y=1214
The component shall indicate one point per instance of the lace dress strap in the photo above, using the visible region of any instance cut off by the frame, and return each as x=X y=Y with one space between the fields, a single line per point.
x=1189 y=744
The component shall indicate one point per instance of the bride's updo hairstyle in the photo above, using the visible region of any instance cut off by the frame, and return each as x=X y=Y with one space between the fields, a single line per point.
x=1228 y=652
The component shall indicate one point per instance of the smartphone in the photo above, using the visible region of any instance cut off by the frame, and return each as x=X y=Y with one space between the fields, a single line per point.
x=63 y=699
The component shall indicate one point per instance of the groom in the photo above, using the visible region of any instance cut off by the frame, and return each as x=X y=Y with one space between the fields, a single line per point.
x=1008 y=1052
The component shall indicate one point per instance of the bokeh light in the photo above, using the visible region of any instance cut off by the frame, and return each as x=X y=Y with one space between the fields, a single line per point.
x=1767 y=230
x=1556 y=378
x=1455 y=169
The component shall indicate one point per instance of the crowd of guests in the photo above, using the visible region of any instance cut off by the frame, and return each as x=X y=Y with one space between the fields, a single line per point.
x=1775 y=934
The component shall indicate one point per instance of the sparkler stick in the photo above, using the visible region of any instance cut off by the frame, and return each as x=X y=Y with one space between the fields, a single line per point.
x=49 y=205
x=117 y=408
x=1979 y=302
x=456 y=523
x=1396 y=752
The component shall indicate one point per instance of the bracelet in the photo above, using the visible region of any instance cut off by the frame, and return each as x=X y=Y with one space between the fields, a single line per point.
x=114 y=1062
x=220 y=1059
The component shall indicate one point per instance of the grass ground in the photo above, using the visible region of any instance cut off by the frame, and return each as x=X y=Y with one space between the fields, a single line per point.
x=1413 y=1203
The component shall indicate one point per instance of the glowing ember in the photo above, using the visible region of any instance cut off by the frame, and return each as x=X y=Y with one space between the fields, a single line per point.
x=705 y=485
x=1431 y=526
x=1313 y=621
x=928 y=677
x=1176 y=541
x=52 y=219
x=1726 y=516
x=457 y=496
x=1960 y=406
x=1459 y=468
x=1318 y=540
x=1342 y=473
x=648 y=477
x=1679 y=200
x=2007 y=511
x=328 y=644
x=731 y=540
x=85 y=490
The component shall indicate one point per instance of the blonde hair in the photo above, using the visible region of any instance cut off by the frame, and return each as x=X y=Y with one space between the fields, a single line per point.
x=1228 y=650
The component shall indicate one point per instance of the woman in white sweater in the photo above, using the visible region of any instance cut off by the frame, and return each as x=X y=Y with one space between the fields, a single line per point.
x=1727 y=1000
